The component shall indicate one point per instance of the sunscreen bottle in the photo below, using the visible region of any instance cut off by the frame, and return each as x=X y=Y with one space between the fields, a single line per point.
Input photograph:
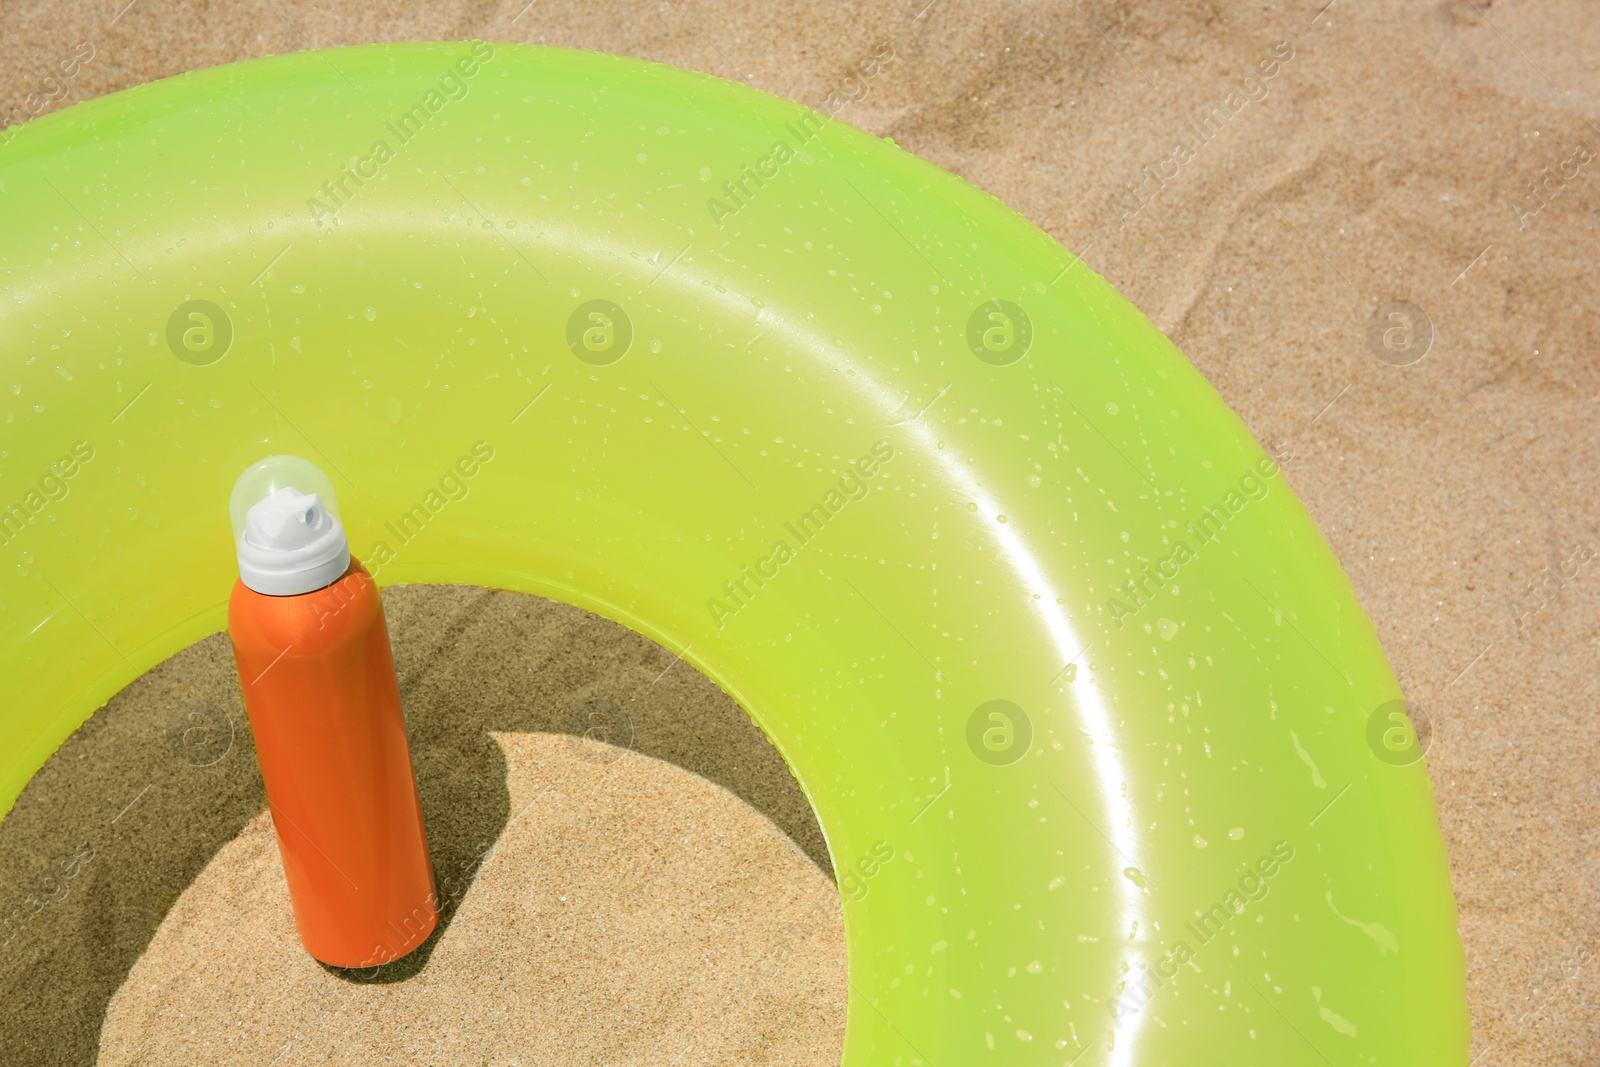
x=324 y=706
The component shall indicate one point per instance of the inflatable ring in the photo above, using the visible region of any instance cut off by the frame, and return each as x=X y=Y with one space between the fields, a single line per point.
x=1107 y=755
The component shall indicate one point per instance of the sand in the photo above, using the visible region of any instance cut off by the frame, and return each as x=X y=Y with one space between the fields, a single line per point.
x=691 y=861
x=1391 y=158
x=630 y=913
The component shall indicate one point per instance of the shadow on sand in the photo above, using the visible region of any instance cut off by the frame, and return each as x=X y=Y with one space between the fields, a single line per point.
x=136 y=803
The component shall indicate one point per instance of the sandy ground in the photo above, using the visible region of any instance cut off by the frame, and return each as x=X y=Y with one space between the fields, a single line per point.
x=1437 y=153
x=557 y=755
x=633 y=913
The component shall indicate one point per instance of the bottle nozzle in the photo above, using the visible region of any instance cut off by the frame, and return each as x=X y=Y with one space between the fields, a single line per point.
x=286 y=528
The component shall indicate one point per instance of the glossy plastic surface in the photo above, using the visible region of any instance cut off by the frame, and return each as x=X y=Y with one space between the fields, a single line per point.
x=319 y=686
x=863 y=445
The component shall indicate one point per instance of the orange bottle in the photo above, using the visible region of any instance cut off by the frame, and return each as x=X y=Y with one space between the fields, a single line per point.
x=324 y=706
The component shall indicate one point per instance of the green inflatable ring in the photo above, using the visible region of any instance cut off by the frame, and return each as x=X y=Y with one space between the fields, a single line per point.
x=1108 y=757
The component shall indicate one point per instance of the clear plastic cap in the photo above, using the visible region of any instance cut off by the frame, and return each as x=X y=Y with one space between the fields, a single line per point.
x=286 y=527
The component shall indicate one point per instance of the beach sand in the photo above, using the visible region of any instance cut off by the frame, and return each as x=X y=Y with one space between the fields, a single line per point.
x=1392 y=157
x=629 y=913
x=558 y=755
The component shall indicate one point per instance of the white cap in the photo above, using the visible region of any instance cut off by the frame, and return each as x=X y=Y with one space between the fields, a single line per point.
x=286 y=528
